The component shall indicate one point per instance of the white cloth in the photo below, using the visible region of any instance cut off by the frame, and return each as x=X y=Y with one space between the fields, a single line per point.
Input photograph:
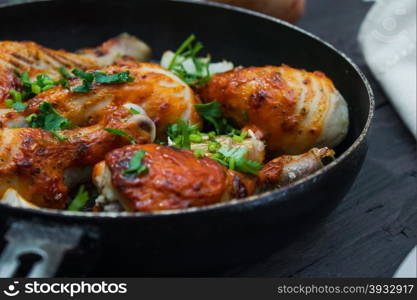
x=408 y=268
x=388 y=41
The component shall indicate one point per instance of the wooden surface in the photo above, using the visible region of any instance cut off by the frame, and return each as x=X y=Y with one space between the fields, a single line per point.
x=374 y=228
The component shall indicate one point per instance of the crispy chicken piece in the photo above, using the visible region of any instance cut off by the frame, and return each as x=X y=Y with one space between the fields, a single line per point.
x=156 y=91
x=293 y=110
x=287 y=169
x=40 y=168
x=175 y=179
x=36 y=59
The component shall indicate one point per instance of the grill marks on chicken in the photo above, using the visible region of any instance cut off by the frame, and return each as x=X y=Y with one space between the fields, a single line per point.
x=162 y=95
x=176 y=179
x=35 y=59
x=293 y=110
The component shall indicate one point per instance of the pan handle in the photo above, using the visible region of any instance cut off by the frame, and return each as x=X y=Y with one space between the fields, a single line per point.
x=45 y=243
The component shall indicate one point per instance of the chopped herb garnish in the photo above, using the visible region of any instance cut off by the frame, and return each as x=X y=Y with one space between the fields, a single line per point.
x=134 y=111
x=17 y=96
x=135 y=164
x=185 y=64
x=42 y=83
x=64 y=72
x=83 y=88
x=121 y=133
x=212 y=113
x=240 y=138
x=15 y=101
x=199 y=153
x=234 y=159
x=87 y=79
x=121 y=77
x=19 y=106
x=80 y=200
x=181 y=134
x=196 y=138
x=49 y=119
x=30 y=89
x=212 y=136
x=64 y=82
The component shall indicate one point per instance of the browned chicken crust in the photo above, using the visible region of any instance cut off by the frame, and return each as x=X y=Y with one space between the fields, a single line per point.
x=176 y=179
x=292 y=110
x=162 y=96
x=36 y=59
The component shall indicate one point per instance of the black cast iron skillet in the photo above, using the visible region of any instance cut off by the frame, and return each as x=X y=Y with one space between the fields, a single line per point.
x=190 y=241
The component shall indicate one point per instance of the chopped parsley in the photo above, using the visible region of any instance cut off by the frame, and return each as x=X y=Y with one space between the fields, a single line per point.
x=121 y=133
x=135 y=165
x=64 y=73
x=121 y=77
x=213 y=147
x=134 y=111
x=182 y=134
x=199 y=153
x=87 y=79
x=234 y=159
x=99 y=77
x=41 y=84
x=212 y=113
x=30 y=89
x=49 y=119
x=15 y=101
x=80 y=200
x=241 y=137
x=185 y=64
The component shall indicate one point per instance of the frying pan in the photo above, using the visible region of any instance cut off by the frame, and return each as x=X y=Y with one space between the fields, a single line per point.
x=38 y=243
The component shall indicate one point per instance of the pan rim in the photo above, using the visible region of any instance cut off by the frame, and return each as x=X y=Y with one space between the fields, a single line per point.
x=240 y=204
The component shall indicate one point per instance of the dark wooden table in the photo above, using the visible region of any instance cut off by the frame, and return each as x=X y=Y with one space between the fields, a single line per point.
x=374 y=228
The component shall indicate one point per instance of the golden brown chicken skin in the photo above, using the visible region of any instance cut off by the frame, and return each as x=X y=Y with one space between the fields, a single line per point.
x=8 y=81
x=156 y=91
x=292 y=110
x=40 y=168
x=36 y=59
x=175 y=179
